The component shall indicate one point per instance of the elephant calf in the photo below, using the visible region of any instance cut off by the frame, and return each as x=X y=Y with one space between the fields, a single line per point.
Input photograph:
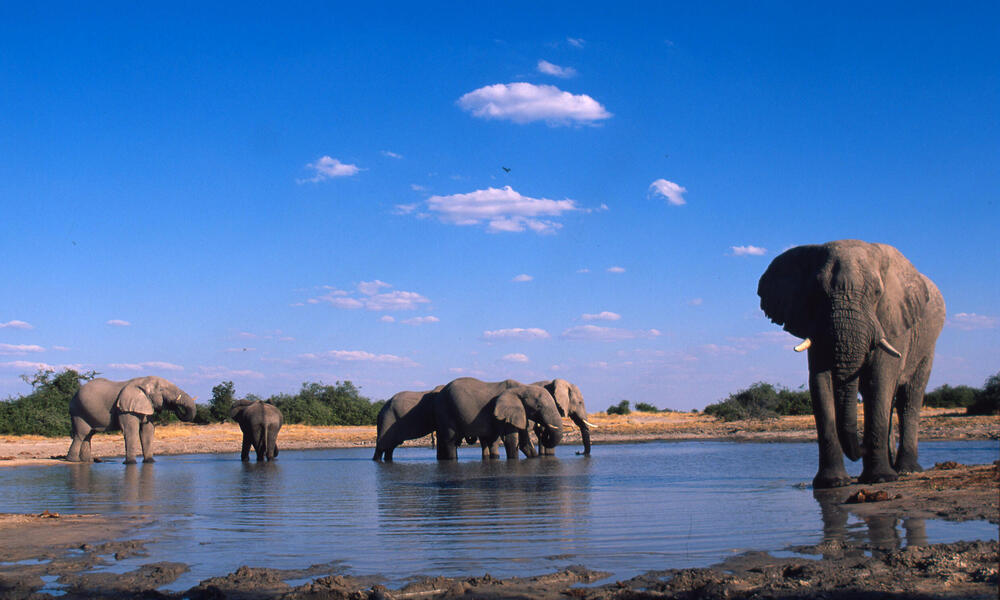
x=260 y=423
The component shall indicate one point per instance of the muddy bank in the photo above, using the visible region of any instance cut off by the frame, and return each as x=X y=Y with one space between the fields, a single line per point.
x=59 y=555
x=185 y=438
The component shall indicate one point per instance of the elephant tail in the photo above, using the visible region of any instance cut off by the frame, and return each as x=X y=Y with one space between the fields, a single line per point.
x=264 y=439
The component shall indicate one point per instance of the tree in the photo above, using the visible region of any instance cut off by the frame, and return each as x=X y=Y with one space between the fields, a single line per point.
x=646 y=407
x=45 y=411
x=620 y=409
x=761 y=401
x=222 y=401
x=960 y=396
x=987 y=400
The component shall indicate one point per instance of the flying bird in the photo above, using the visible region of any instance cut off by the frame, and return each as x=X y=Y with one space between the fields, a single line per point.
x=506 y=170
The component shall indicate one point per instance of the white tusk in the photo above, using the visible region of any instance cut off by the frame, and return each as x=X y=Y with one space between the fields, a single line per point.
x=589 y=424
x=885 y=345
x=556 y=427
x=804 y=345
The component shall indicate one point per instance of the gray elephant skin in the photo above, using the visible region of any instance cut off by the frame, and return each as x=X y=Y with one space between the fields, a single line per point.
x=870 y=322
x=490 y=411
x=260 y=423
x=570 y=403
x=104 y=405
x=406 y=416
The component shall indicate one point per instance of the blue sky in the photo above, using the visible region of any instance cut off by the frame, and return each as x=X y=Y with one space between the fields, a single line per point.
x=316 y=192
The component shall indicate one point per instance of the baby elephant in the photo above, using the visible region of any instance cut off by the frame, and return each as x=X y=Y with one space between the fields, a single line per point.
x=260 y=423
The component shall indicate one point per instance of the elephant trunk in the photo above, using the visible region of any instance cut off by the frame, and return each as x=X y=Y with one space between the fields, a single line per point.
x=186 y=408
x=550 y=432
x=584 y=432
x=852 y=334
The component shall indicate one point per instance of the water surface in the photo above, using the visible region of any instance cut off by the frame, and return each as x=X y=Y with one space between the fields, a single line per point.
x=627 y=509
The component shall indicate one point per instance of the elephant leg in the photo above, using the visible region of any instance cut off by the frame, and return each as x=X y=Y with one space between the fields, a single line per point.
x=81 y=432
x=877 y=392
x=909 y=400
x=245 y=450
x=130 y=429
x=831 y=456
x=146 y=439
x=510 y=445
x=525 y=444
x=85 y=451
x=447 y=448
x=272 y=444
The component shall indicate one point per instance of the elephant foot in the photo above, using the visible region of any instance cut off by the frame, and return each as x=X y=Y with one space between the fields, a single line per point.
x=877 y=476
x=95 y=459
x=128 y=461
x=906 y=464
x=825 y=481
x=149 y=460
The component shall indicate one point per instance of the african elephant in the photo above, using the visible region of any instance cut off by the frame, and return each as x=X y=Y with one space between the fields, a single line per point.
x=406 y=416
x=260 y=423
x=469 y=407
x=569 y=401
x=870 y=321
x=103 y=405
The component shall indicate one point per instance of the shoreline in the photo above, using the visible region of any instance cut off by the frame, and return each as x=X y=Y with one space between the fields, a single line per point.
x=224 y=438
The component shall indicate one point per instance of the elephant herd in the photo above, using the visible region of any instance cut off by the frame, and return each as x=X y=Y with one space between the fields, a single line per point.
x=869 y=321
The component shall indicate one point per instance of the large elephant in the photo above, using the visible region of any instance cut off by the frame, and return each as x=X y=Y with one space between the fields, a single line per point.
x=406 y=416
x=870 y=322
x=468 y=407
x=569 y=401
x=260 y=423
x=103 y=405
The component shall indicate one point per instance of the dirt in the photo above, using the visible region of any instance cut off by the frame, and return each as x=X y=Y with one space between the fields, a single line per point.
x=59 y=553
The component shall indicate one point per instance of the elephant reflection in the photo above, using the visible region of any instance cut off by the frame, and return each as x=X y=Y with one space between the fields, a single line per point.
x=880 y=530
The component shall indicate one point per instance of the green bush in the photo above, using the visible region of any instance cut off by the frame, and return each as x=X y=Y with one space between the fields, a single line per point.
x=619 y=409
x=645 y=407
x=318 y=404
x=946 y=396
x=987 y=400
x=45 y=411
x=222 y=401
x=761 y=401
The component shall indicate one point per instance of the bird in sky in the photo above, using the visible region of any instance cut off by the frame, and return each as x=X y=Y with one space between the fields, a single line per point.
x=505 y=169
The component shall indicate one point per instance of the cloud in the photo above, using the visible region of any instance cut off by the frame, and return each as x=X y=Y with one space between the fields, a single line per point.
x=668 y=189
x=60 y=348
x=616 y=269
x=576 y=42
x=503 y=210
x=387 y=319
x=15 y=324
x=749 y=251
x=421 y=320
x=522 y=278
x=606 y=334
x=19 y=349
x=526 y=102
x=515 y=358
x=328 y=168
x=516 y=333
x=359 y=356
x=215 y=373
x=696 y=301
x=38 y=366
x=391 y=154
x=972 y=321
x=601 y=316
x=241 y=349
x=548 y=68
x=584 y=270
x=118 y=323
x=155 y=365
x=369 y=297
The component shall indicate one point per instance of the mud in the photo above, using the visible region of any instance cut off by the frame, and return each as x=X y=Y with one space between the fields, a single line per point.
x=46 y=557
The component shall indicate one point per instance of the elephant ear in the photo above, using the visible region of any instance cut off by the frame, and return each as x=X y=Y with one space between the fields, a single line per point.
x=904 y=293
x=788 y=288
x=133 y=399
x=508 y=408
x=238 y=407
x=560 y=390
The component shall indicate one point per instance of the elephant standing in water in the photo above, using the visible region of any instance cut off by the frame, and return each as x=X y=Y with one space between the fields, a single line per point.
x=103 y=405
x=569 y=401
x=870 y=322
x=406 y=416
x=260 y=423
x=468 y=407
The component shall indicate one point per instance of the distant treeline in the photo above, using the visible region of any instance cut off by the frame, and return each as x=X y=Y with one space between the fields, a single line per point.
x=45 y=411
x=765 y=401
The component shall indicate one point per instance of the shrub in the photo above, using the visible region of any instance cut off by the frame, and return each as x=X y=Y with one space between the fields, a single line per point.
x=946 y=396
x=619 y=409
x=318 y=404
x=987 y=400
x=222 y=401
x=761 y=401
x=645 y=407
x=45 y=411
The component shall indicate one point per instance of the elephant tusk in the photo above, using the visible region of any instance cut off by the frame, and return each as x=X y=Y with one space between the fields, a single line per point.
x=556 y=427
x=804 y=345
x=885 y=345
x=589 y=424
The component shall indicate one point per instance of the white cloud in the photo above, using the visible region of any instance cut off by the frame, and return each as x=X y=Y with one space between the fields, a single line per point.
x=387 y=319
x=516 y=333
x=696 y=301
x=391 y=154
x=158 y=365
x=503 y=210
x=359 y=356
x=616 y=269
x=215 y=373
x=584 y=270
x=527 y=102
x=515 y=358
x=421 y=320
x=576 y=42
x=522 y=278
x=607 y=334
x=396 y=300
x=118 y=323
x=668 y=189
x=548 y=68
x=416 y=187
x=601 y=316
x=15 y=324
x=370 y=288
x=241 y=349
x=60 y=348
x=328 y=168
x=370 y=298
x=38 y=366
x=749 y=251
x=972 y=321
x=19 y=349
x=405 y=209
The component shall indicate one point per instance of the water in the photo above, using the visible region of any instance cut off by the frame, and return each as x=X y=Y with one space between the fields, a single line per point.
x=628 y=509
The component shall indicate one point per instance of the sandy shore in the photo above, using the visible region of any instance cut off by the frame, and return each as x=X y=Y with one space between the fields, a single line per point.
x=184 y=438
